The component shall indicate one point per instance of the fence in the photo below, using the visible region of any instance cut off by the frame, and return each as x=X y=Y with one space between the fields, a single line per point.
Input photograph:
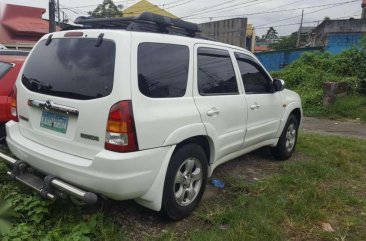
x=335 y=44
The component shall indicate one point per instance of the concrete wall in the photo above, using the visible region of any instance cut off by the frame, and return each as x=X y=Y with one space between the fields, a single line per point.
x=230 y=31
x=320 y=34
x=277 y=60
x=335 y=44
x=338 y=42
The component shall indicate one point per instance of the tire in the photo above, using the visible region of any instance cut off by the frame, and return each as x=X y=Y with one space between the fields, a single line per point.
x=2 y=133
x=288 y=140
x=185 y=181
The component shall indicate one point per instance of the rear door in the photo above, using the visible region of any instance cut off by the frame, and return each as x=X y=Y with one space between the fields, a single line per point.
x=264 y=105
x=67 y=88
x=219 y=99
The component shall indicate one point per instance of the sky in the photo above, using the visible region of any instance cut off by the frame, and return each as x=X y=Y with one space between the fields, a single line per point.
x=261 y=13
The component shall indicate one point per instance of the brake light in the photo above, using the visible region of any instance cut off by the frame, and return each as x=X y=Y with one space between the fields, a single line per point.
x=12 y=100
x=121 y=134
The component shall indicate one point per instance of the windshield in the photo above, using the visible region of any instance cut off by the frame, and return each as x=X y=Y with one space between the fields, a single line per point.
x=71 y=68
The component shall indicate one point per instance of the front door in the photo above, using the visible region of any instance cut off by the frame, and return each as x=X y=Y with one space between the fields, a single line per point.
x=264 y=105
x=219 y=99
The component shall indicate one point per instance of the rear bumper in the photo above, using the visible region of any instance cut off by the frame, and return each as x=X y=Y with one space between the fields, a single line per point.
x=50 y=186
x=119 y=176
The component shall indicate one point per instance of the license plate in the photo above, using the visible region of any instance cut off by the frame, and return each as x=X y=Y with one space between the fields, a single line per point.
x=54 y=121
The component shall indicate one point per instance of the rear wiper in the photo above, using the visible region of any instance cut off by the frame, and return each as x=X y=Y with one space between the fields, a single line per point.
x=99 y=40
x=37 y=82
x=49 y=39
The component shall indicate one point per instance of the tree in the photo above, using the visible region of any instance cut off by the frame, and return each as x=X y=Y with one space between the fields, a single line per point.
x=271 y=34
x=326 y=18
x=106 y=10
x=288 y=42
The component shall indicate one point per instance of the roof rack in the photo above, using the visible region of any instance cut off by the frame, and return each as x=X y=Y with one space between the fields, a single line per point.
x=145 y=22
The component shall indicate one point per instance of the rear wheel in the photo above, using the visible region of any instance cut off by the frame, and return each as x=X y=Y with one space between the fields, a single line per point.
x=185 y=181
x=287 y=142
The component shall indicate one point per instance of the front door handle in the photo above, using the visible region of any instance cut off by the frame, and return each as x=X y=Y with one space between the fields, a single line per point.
x=255 y=106
x=213 y=111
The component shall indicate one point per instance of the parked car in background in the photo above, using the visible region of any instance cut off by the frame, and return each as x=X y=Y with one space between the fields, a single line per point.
x=145 y=114
x=10 y=64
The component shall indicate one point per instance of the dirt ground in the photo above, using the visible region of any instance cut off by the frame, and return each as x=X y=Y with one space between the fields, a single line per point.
x=352 y=128
x=139 y=223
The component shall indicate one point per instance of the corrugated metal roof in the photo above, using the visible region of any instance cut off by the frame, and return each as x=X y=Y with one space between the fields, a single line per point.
x=21 y=24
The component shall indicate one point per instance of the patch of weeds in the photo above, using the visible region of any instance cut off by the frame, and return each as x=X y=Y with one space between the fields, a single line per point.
x=292 y=203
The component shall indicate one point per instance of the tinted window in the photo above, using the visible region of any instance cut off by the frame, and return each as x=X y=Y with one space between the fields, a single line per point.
x=216 y=74
x=254 y=78
x=4 y=68
x=163 y=69
x=71 y=68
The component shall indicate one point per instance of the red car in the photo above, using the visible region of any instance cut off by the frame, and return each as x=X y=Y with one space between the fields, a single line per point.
x=10 y=64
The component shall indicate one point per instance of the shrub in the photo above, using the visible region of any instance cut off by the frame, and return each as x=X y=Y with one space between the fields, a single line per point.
x=308 y=74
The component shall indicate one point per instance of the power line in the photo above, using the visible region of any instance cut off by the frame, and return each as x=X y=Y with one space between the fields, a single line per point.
x=315 y=21
x=95 y=5
x=269 y=12
x=206 y=10
x=337 y=5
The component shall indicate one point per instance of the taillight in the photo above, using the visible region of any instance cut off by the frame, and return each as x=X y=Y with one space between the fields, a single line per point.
x=121 y=134
x=13 y=104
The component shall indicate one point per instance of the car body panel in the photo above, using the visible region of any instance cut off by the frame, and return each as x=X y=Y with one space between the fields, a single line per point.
x=7 y=84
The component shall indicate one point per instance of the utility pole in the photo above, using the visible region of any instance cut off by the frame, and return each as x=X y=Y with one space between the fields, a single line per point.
x=58 y=13
x=299 y=33
x=363 y=5
x=52 y=21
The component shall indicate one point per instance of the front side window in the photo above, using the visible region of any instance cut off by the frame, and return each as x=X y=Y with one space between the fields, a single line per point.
x=254 y=79
x=4 y=68
x=216 y=74
x=71 y=68
x=163 y=70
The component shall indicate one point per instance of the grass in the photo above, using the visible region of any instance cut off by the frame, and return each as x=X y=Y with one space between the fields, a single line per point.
x=346 y=107
x=292 y=203
x=327 y=186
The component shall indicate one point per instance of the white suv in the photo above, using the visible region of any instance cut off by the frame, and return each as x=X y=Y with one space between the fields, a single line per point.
x=145 y=116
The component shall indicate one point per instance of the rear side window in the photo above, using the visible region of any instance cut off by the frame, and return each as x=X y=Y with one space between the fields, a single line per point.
x=163 y=70
x=4 y=68
x=71 y=68
x=216 y=74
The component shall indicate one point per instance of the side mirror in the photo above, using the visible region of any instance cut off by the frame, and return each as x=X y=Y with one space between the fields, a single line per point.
x=278 y=85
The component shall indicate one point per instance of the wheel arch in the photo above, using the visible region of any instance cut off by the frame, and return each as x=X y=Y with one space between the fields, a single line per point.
x=203 y=141
x=295 y=109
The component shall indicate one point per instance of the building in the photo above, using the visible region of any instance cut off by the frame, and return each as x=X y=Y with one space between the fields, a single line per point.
x=20 y=26
x=261 y=48
x=143 y=6
x=231 y=31
x=305 y=36
x=250 y=38
x=338 y=35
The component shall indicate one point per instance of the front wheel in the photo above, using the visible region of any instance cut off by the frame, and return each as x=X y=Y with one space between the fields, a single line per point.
x=287 y=142
x=185 y=181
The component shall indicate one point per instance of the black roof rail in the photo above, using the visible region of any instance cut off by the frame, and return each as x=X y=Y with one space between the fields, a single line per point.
x=145 y=22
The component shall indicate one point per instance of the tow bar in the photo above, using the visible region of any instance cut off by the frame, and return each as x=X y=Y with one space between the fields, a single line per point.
x=49 y=187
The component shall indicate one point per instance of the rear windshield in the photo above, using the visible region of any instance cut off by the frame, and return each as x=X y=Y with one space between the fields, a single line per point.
x=71 y=68
x=4 y=68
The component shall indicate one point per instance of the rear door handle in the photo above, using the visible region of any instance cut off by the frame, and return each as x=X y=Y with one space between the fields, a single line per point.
x=255 y=107
x=213 y=111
